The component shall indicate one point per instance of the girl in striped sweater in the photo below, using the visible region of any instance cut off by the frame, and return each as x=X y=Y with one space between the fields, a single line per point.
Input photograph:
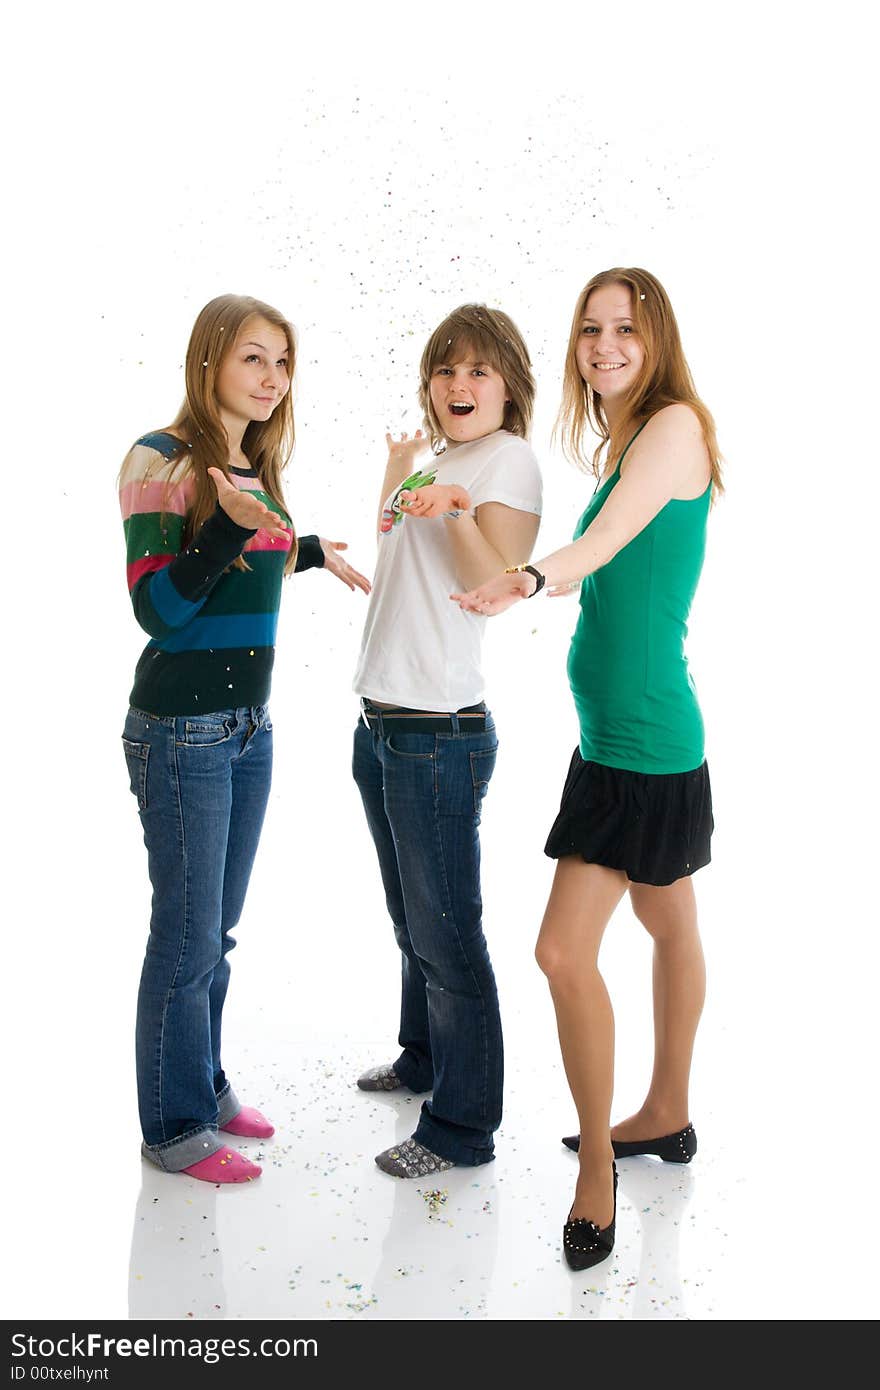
x=208 y=541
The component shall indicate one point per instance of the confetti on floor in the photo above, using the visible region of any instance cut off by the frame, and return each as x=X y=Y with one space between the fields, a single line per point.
x=434 y=1199
x=326 y=1235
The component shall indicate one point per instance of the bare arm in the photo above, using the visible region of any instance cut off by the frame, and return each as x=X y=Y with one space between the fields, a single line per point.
x=402 y=455
x=669 y=460
x=482 y=543
x=496 y=536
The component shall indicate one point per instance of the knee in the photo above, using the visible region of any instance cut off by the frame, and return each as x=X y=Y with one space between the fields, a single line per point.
x=453 y=974
x=568 y=971
x=552 y=961
x=461 y=966
x=203 y=951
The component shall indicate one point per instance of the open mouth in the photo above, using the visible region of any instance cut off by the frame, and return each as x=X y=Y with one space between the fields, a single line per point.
x=608 y=366
x=460 y=408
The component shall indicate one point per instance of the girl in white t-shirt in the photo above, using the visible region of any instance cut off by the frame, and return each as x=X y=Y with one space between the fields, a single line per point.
x=425 y=746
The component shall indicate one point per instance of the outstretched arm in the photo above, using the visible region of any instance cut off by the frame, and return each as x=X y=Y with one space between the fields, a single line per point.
x=495 y=536
x=482 y=540
x=669 y=460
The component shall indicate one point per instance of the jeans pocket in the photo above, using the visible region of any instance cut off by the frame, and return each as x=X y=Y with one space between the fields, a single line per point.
x=482 y=767
x=416 y=747
x=204 y=731
x=137 y=756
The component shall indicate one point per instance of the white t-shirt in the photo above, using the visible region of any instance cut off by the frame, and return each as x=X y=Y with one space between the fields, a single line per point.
x=419 y=649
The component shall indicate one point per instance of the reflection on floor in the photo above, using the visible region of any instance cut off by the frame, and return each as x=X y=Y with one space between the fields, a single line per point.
x=325 y=1234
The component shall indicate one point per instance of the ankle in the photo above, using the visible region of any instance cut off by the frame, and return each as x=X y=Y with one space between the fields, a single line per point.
x=595 y=1155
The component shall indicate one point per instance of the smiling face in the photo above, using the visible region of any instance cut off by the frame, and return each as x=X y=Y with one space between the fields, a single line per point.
x=254 y=375
x=468 y=398
x=609 y=353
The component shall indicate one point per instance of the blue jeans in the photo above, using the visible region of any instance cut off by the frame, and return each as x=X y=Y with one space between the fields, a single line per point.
x=422 y=793
x=202 y=784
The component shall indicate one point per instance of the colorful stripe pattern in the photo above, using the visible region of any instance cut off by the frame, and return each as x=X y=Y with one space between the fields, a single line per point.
x=212 y=628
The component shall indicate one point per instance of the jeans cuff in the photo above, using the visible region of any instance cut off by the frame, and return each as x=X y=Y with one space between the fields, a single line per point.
x=228 y=1105
x=408 y=1074
x=182 y=1153
x=438 y=1139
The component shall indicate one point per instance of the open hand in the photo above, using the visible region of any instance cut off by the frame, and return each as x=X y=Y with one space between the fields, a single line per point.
x=497 y=594
x=404 y=451
x=246 y=509
x=434 y=499
x=334 y=562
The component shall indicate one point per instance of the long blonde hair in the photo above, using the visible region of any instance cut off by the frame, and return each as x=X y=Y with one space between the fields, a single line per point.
x=267 y=444
x=665 y=378
x=493 y=337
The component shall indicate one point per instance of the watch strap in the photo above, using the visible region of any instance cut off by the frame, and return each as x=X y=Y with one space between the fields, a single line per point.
x=540 y=579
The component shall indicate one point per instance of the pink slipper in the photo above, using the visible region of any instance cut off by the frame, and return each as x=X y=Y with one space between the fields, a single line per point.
x=224 y=1166
x=249 y=1124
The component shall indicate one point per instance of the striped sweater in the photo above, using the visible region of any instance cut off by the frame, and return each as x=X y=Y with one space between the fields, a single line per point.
x=212 y=628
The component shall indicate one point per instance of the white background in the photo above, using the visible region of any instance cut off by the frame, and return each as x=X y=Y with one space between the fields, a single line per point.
x=366 y=172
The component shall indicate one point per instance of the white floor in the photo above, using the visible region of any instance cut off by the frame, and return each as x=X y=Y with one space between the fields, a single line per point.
x=324 y=1234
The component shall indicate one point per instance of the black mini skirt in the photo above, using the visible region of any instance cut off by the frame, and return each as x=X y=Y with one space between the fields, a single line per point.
x=656 y=827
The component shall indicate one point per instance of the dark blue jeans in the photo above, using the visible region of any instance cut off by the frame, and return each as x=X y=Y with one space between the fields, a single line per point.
x=422 y=793
x=202 y=783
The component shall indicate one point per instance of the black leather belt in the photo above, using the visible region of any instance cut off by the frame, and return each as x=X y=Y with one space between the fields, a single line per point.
x=470 y=720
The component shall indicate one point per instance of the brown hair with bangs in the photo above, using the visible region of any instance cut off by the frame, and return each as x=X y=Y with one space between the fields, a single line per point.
x=488 y=335
x=665 y=378
x=267 y=444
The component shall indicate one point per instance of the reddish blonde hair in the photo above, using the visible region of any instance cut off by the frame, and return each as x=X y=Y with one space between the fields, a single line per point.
x=665 y=378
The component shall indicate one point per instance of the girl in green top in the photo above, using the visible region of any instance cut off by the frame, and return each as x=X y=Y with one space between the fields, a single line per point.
x=636 y=811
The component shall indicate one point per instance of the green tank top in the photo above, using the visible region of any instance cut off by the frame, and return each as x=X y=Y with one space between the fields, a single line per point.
x=636 y=703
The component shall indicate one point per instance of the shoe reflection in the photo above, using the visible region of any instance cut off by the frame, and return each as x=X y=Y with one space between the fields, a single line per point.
x=176 y=1267
x=439 y=1252
x=658 y=1193
x=592 y=1289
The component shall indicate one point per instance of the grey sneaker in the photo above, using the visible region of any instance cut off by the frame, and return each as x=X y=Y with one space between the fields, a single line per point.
x=380 y=1079
x=412 y=1160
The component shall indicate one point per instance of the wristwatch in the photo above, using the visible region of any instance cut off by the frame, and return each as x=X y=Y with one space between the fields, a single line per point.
x=529 y=569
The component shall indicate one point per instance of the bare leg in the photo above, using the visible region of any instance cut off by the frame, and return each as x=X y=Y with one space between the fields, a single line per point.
x=670 y=915
x=581 y=902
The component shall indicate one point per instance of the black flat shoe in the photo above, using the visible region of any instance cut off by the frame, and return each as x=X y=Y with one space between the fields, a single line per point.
x=672 y=1148
x=584 y=1244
